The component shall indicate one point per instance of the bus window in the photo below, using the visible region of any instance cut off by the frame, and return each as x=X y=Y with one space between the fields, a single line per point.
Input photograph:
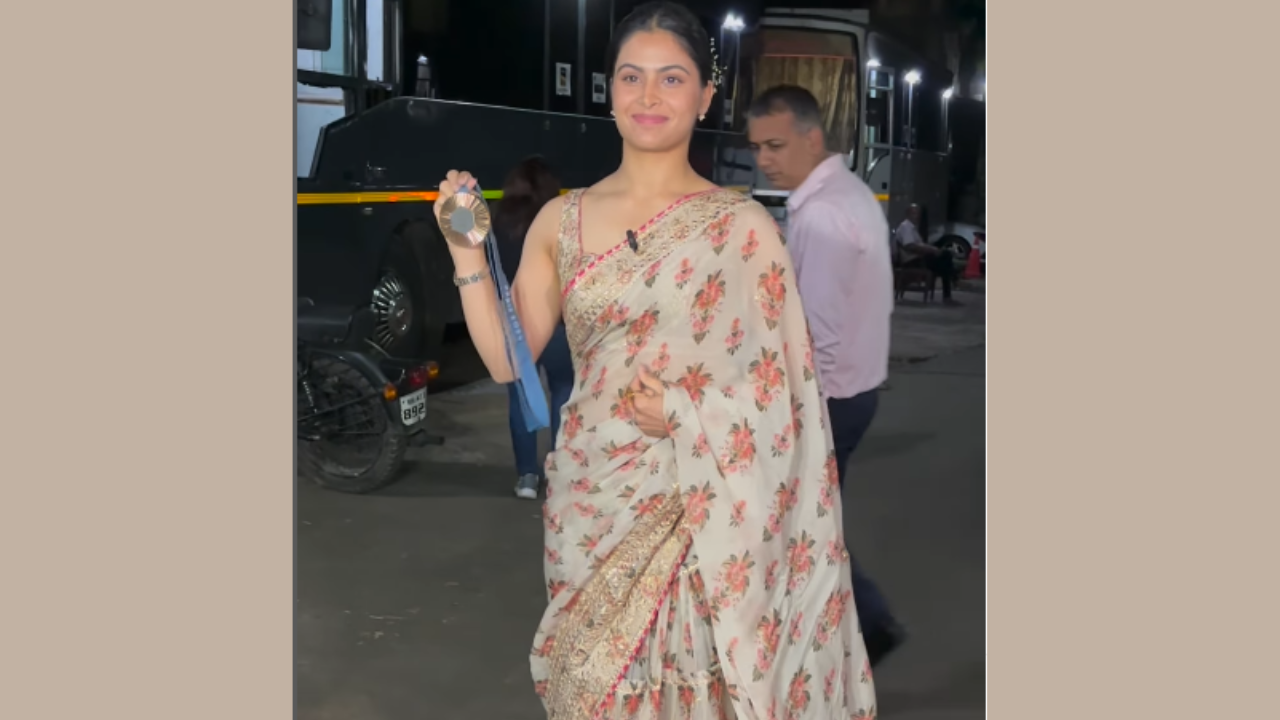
x=879 y=119
x=833 y=80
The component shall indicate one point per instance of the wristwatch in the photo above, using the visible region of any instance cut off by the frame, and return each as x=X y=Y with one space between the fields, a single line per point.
x=472 y=278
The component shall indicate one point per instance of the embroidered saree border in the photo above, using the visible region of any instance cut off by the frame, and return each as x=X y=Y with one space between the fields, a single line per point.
x=610 y=616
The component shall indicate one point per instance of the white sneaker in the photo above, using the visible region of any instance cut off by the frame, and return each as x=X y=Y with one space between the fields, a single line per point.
x=527 y=487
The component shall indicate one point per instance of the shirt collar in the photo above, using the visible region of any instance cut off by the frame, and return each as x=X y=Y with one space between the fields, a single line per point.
x=813 y=183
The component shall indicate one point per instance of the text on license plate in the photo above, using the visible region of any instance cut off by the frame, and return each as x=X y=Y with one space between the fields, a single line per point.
x=413 y=407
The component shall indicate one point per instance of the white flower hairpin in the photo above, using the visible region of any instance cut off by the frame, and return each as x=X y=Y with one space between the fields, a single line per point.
x=717 y=72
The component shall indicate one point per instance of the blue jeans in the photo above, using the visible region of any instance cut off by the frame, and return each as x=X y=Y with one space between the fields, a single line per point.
x=558 y=365
x=850 y=418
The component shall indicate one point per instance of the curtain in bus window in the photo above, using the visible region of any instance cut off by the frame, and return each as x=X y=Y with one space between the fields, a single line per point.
x=832 y=80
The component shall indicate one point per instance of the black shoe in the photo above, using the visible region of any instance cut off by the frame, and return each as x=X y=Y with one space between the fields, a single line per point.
x=882 y=640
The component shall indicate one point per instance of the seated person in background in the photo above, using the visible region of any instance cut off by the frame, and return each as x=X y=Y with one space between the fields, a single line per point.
x=910 y=250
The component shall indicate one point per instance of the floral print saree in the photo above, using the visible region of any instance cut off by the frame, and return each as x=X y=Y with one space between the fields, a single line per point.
x=703 y=575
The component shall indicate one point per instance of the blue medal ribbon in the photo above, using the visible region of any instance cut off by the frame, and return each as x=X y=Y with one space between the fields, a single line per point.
x=533 y=400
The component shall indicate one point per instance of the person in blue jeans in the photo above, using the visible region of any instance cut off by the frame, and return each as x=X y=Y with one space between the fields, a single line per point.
x=529 y=186
x=558 y=367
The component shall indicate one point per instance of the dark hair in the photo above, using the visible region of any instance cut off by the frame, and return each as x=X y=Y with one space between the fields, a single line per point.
x=526 y=189
x=673 y=18
x=788 y=98
x=528 y=186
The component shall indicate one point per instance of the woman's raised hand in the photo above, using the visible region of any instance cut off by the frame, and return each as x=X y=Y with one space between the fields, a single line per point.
x=453 y=180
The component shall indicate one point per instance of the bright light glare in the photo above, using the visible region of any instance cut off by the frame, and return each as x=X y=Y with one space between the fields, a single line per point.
x=946 y=94
x=873 y=63
x=912 y=77
x=733 y=23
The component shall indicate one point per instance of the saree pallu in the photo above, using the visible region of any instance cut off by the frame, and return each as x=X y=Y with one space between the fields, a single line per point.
x=702 y=575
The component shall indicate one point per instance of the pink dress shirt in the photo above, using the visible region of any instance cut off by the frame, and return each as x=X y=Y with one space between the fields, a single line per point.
x=839 y=243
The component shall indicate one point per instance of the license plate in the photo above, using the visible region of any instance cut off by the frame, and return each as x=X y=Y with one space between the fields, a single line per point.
x=413 y=407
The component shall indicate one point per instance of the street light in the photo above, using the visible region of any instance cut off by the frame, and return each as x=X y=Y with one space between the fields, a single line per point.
x=946 y=116
x=912 y=78
x=734 y=24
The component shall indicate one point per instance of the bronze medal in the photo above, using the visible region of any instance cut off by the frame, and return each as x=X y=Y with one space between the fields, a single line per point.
x=464 y=219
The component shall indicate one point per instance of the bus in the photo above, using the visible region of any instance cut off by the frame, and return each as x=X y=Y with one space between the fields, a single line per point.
x=886 y=107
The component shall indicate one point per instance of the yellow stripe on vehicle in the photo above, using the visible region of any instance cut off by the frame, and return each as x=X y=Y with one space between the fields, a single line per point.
x=882 y=198
x=366 y=198
x=369 y=198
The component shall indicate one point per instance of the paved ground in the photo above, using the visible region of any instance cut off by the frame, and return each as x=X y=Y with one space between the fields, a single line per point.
x=421 y=601
x=922 y=331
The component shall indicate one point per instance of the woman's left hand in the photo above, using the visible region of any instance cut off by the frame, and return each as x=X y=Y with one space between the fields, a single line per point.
x=647 y=394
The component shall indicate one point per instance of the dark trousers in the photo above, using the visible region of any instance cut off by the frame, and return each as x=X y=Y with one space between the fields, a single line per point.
x=557 y=363
x=942 y=265
x=850 y=418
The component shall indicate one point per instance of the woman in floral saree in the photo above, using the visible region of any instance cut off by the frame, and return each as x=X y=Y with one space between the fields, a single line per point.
x=695 y=560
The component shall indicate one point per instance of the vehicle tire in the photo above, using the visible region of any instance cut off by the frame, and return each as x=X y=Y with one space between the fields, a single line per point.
x=959 y=248
x=378 y=462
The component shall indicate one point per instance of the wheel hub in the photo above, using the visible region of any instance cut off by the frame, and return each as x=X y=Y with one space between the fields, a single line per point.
x=394 y=311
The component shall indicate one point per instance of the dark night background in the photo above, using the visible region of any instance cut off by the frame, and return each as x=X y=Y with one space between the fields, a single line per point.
x=491 y=51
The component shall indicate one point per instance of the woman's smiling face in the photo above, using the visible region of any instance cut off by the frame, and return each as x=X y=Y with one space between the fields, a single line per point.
x=658 y=94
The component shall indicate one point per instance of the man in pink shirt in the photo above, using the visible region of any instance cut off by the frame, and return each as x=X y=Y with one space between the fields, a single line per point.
x=839 y=243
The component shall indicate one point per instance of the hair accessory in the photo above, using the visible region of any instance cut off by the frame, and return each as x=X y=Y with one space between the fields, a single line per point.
x=717 y=73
